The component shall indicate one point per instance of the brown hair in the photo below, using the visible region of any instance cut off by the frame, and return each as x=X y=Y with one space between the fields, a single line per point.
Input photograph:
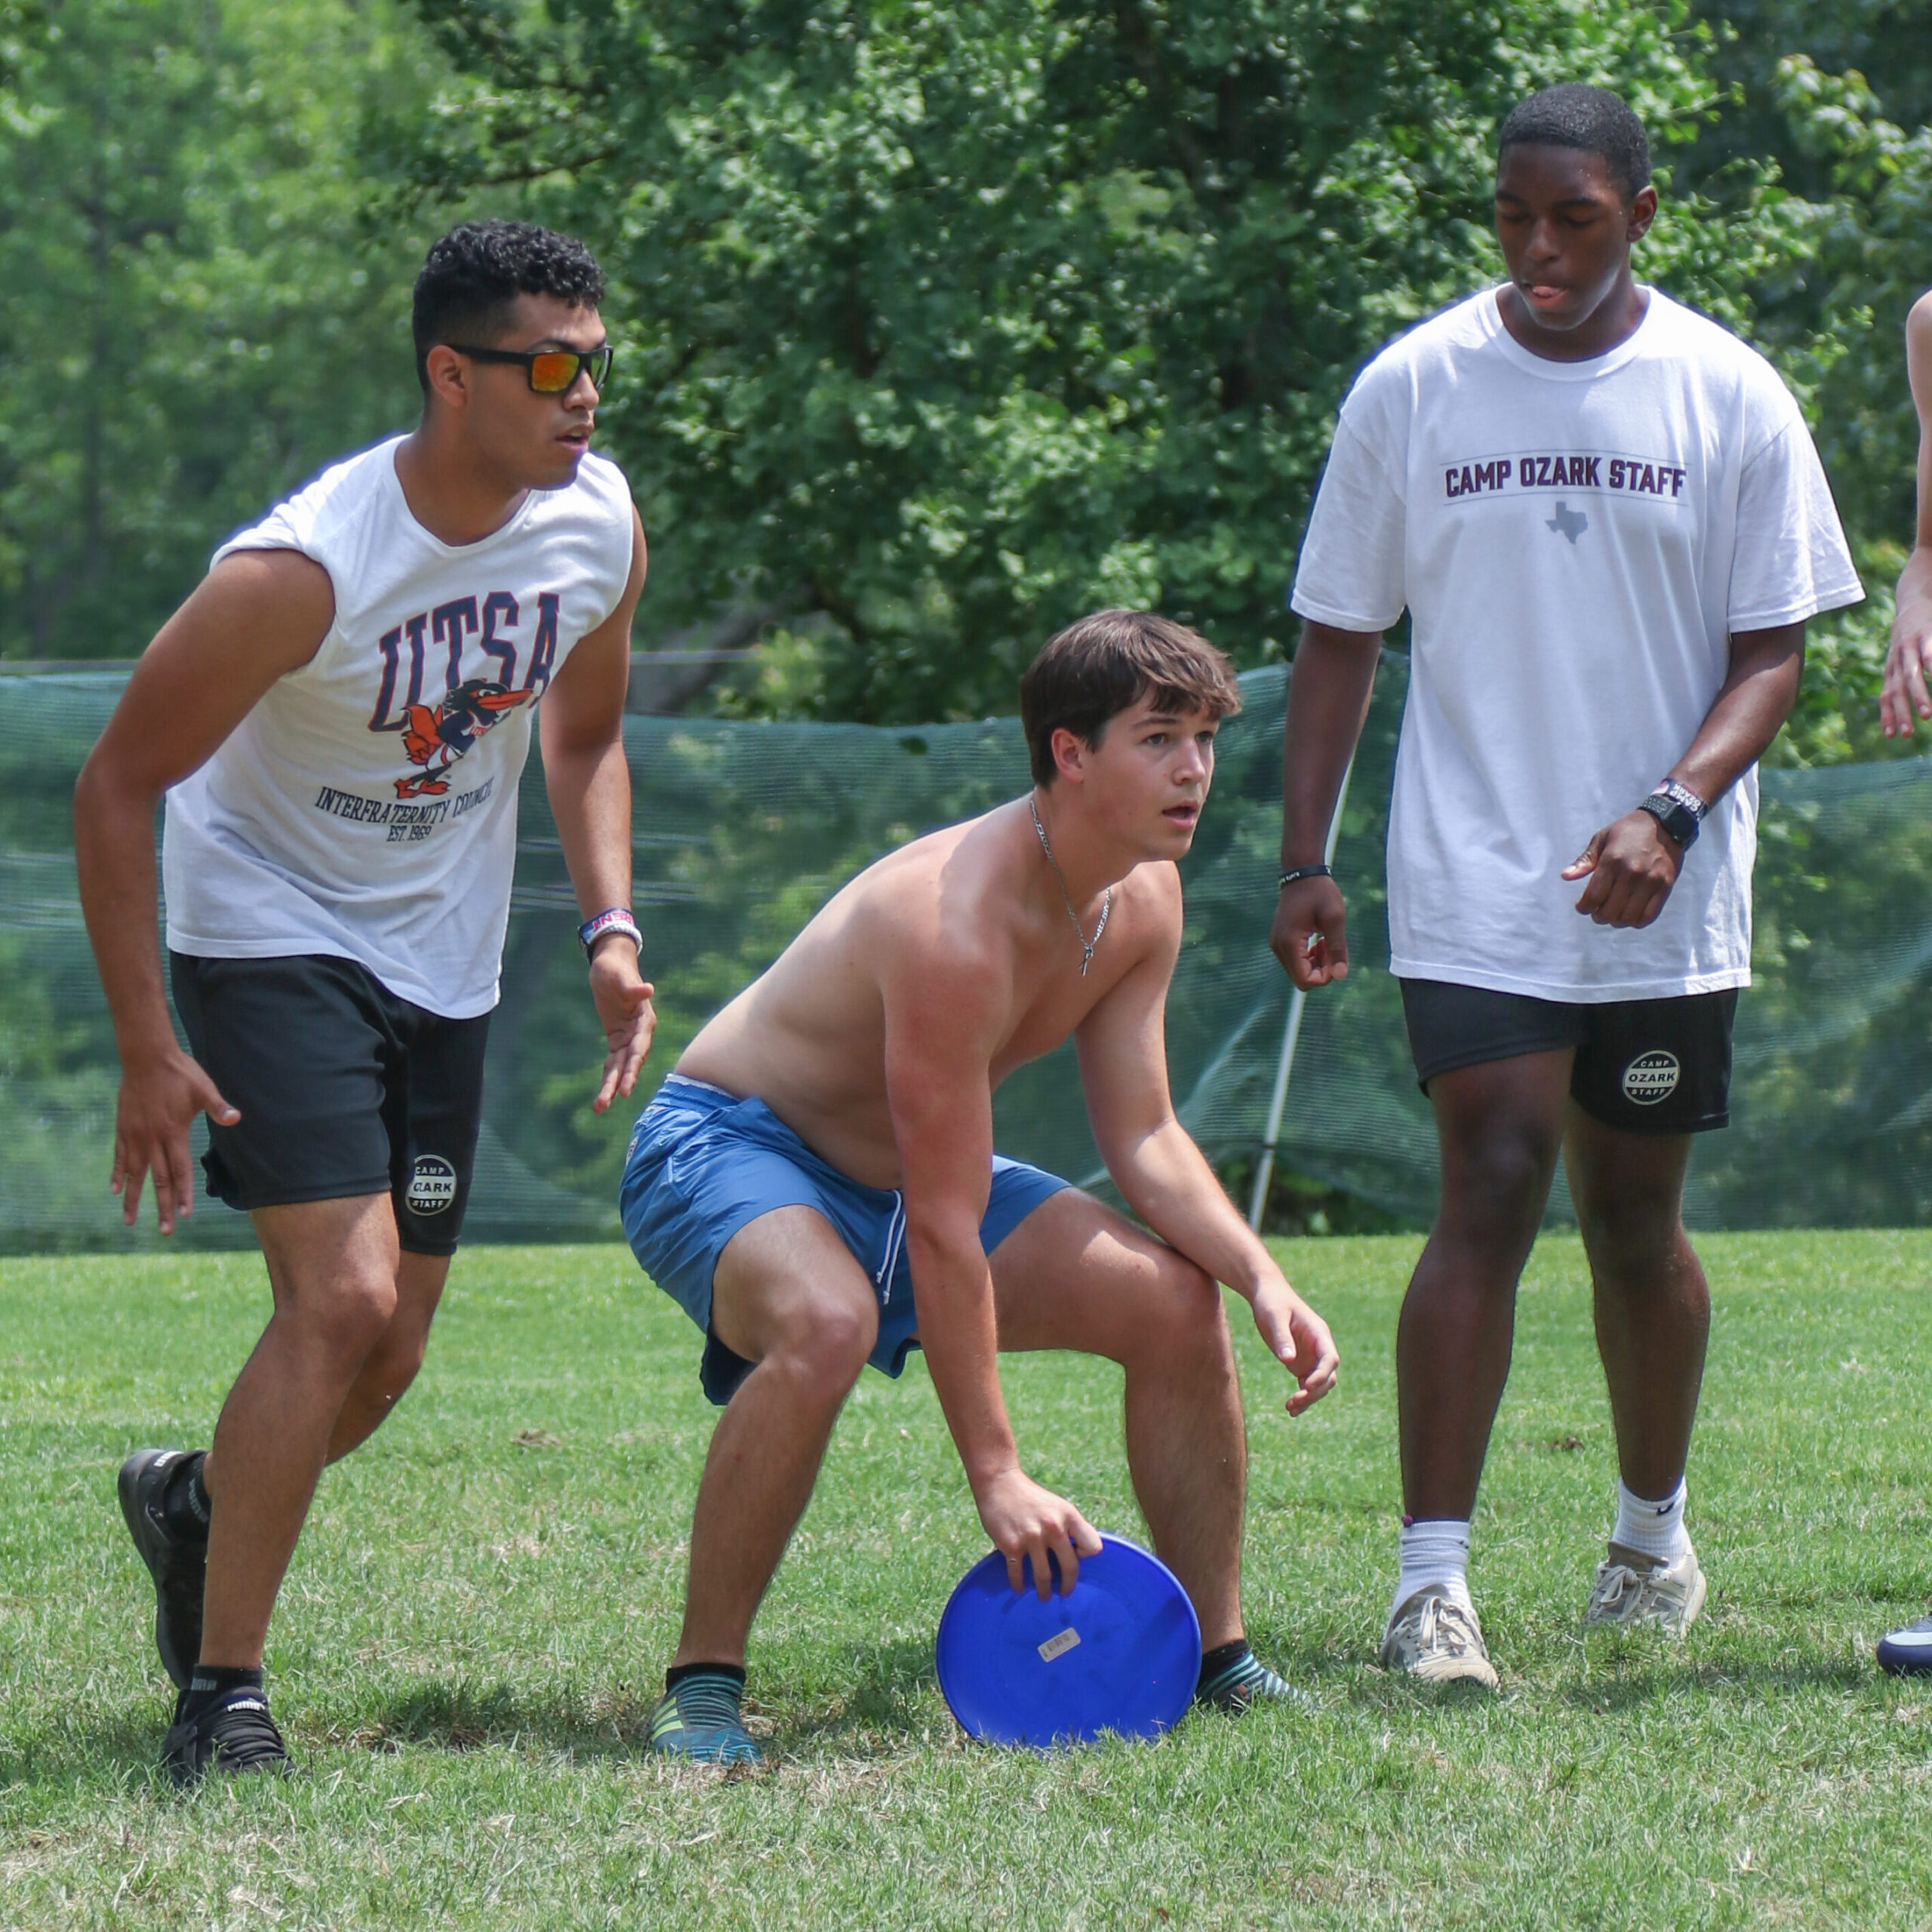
x=1095 y=669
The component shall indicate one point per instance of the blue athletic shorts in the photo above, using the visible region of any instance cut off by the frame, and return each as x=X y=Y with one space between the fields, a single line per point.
x=703 y=1163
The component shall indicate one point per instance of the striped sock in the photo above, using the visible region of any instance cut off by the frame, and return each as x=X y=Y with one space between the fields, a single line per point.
x=698 y=1718
x=1232 y=1678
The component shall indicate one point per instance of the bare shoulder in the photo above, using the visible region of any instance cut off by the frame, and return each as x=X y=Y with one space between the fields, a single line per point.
x=1154 y=886
x=1150 y=909
x=929 y=908
x=931 y=921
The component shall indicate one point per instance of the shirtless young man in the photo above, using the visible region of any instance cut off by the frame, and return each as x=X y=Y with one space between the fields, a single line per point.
x=827 y=1144
x=1907 y=689
x=337 y=717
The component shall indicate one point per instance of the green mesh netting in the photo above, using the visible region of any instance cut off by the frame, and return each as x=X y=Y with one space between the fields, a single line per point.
x=743 y=829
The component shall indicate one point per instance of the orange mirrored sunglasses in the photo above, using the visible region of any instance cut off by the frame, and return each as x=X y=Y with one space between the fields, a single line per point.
x=550 y=371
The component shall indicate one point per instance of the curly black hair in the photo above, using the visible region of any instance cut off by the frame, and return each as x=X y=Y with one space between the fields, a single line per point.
x=1575 y=115
x=474 y=273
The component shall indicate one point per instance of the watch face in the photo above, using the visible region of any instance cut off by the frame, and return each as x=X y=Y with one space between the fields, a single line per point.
x=1679 y=821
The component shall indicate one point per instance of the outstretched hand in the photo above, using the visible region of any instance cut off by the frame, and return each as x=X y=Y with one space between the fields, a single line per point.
x=1299 y=1339
x=1029 y=1523
x=160 y=1096
x=1310 y=935
x=1631 y=866
x=624 y=1005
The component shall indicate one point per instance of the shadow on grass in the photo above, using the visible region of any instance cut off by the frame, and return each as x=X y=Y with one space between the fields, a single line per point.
x=121 y=1747
x=887 y=1701
x=886 y=1707
x=1628 y=1682
x=882 y=1704
x=1614 y=1685
x=125 y=1745
x=466 y=1717
x=1624 y=1674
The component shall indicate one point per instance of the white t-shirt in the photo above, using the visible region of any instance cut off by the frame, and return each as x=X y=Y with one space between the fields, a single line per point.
x=1575 y=543
x=366 y=807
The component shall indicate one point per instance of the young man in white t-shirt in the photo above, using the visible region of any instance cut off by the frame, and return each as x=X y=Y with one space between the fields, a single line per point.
x=337 y=717
x=1605 y=518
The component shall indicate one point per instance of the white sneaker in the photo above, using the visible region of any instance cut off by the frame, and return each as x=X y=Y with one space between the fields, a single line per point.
x=1433 y=1637
x=1634 y=1592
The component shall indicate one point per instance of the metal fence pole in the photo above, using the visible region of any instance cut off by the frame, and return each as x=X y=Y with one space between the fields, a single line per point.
x=1291 y=1033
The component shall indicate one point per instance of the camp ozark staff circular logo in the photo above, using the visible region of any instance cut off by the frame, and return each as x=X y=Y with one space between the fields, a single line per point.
x=1650 y=1078
x=433 y=1185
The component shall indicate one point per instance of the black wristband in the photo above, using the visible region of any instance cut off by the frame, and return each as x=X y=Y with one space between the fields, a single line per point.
x=1290 y=877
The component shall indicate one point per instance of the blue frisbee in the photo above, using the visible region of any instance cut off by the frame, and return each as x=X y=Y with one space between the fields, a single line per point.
x=1120 y=1653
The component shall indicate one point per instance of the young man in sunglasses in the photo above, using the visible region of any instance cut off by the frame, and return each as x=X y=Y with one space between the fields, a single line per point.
x=337 y=717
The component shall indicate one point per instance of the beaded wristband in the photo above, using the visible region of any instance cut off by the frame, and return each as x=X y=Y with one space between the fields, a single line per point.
x=616 y=920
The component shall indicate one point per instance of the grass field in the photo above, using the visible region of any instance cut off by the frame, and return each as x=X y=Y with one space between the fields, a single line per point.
x=476 y=1623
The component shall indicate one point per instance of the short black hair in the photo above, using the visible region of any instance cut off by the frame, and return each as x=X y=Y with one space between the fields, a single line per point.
x=479 y=268
x=1574 y=115
x=1094 y=669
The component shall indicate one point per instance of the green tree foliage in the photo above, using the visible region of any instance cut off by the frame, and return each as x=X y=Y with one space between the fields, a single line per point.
x=191 y=319
x=946 y=322
x=1887 y=42
x=1794 y=93
x=1870 y=258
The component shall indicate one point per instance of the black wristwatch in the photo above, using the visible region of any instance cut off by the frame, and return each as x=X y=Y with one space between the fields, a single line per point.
x=1678 y=810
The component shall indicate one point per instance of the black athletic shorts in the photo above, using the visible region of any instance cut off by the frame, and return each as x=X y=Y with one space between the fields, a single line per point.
x=1646 y=1065
x=343 y=1087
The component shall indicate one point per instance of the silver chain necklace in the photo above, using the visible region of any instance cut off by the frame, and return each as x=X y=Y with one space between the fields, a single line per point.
x=1086 y=945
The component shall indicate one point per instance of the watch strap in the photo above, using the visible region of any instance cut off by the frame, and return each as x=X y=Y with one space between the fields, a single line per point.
x=1679 y=793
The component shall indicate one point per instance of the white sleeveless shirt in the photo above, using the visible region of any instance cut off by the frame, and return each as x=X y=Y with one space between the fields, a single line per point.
x=366 y=807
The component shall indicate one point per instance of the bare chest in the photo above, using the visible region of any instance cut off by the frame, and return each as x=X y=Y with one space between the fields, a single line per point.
x=1051 y=1001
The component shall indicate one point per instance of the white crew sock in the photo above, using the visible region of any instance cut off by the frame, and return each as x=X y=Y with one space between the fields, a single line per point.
x=1434 y=1552
x=1651 y=1529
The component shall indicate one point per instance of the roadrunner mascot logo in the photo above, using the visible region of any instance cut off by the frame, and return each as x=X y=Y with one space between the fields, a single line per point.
x=435 y=737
